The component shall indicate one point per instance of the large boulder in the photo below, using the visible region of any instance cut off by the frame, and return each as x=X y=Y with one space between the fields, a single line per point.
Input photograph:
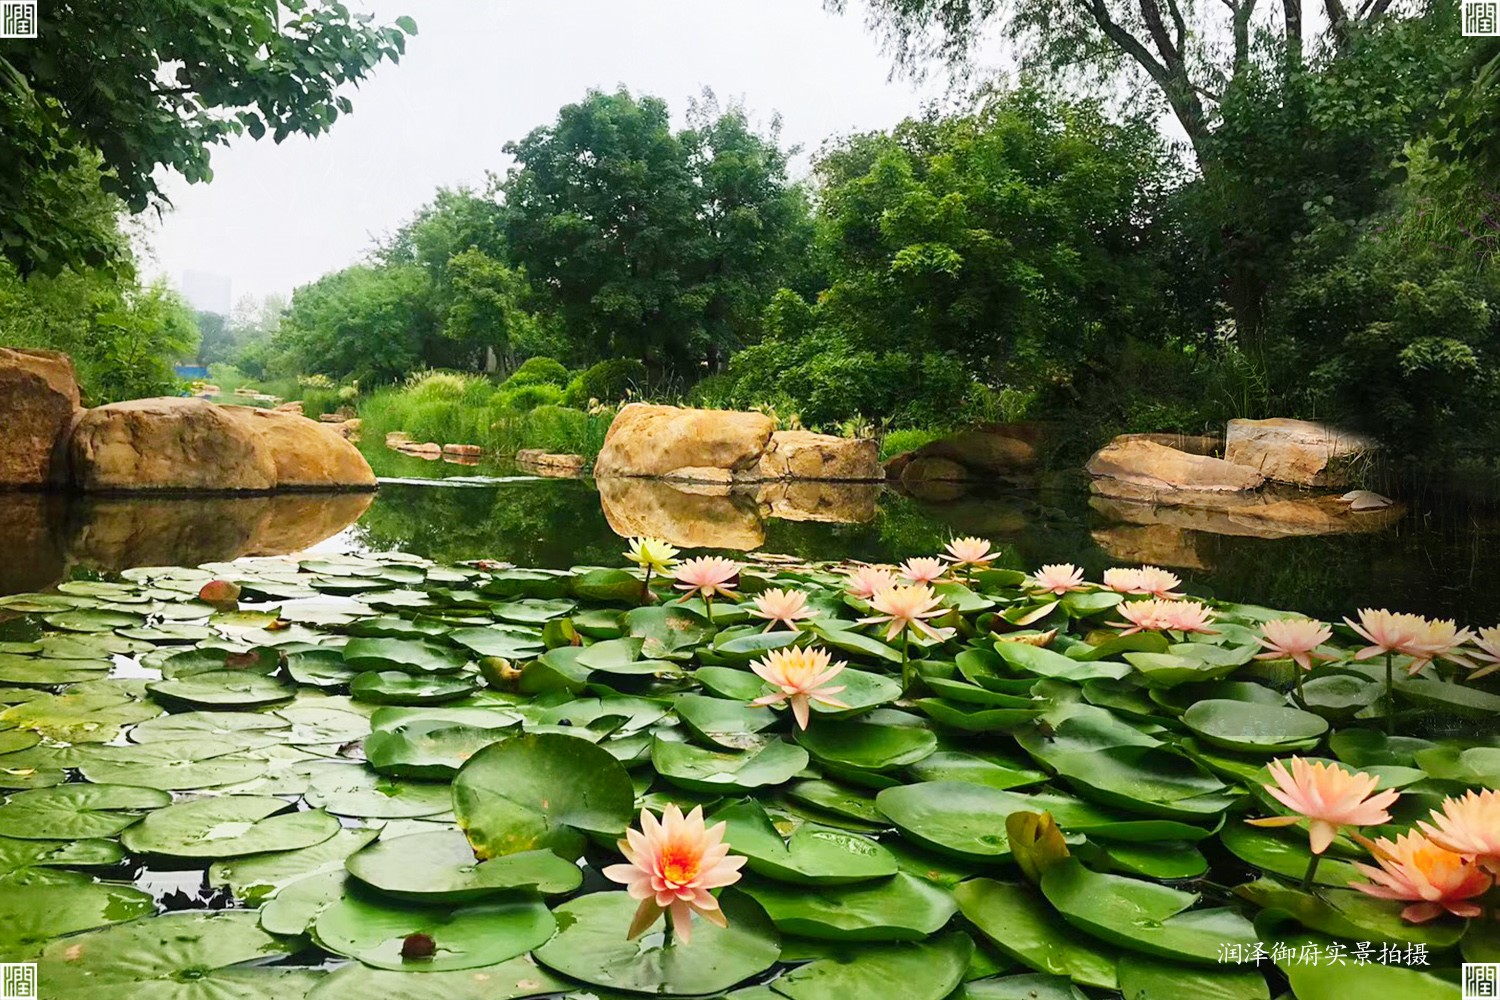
x=1142 y=465
x=307 y=454
x=830 y=503
x=985 y=454
x=169 y=444
x=38 y=400
x=805 y=455
x=690 y=517
x=648 y=440
x=1295 y=451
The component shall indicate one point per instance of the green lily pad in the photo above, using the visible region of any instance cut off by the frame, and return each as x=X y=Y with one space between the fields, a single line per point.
x=815 y=854
x=428 y=749
x=1237 y=725
x=357 y=791
x=1046 y=663
x=1283 y=853
x=1018 y=921
x=254 y=878
x=176 y=956
x=1145 y=978
x=221 y=689
x=413 y=656
x=667 y=632
x=92 y=620
x=172 y=765
x=38 y=904
x=541 y=791
x=77 y=811
x=241 y=730
x=1340 y=980
x=227 y=826
x=465 y=937
x=440 y=867
x=322 y=668
x=696 y=769
x=898 y=908
x=866 y=745
x=513 y=980
x=95 y=717
x=393 y=687
x=294 y=908
x=724 y=724
x=506 y=641
x=929 y=970
x=977 y=769
x=16 y=854
x=1143 y=916
x=29 y=671
x=591 y=947
x=530 y=611
x=974 y=718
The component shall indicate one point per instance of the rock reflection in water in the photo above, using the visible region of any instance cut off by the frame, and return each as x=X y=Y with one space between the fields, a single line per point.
x=705 y=516
x=57 y=533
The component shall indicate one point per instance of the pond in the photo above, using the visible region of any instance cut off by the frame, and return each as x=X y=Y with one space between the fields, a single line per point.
x=371 y=769
x=1438 y=559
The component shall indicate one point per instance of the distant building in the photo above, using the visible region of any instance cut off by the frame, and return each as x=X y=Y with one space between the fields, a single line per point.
x=206 y=291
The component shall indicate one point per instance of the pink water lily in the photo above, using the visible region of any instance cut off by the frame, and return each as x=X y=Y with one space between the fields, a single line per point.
x=671 y=866
x=800 y=677
x=781 y=607
x=1295 y=639
x=1468 y=825
x=1123 y=581
x=1140 y=616
x=971 y=551
x=1433 y=879
x=1487 y=651
x=1329 y=797
x=1058 y=578
x=908 y=608
x=865 y=581
x=1185 y=616
x=1386 y=632
x=707 y=576
x=1437 y=638
x=924 y=570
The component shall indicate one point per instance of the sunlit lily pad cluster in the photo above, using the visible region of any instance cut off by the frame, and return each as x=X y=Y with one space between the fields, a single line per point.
x=364 y=776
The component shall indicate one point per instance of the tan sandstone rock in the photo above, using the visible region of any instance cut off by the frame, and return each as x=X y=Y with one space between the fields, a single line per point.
x=805 y=455
x=38 y=400
x=648 y=440
x=705 y=516
x=169 y=444
x=557 y=465
x=1158 y=469
x=307 y=454
x=1295 y=451
x=982 y=453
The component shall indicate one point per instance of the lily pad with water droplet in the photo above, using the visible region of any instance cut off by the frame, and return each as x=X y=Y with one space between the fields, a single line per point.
x=814 y=855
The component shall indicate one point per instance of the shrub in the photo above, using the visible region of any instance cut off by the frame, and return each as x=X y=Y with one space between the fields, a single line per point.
x=910 y=439
x=608 y=382
x=527 y=397
x=537 y=371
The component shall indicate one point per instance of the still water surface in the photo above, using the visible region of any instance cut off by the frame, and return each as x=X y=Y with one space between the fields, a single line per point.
x=1438 y=559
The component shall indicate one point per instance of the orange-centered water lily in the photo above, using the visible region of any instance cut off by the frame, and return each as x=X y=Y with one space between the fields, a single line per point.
x=1058 y=578
x=707 y=576
x=1433 y=879
x=1140 y=616
x=1158 y=583
x=971 y=551
x=800 y=676
x=902 y=608
x=1329 y=797
x=671 y=866
x=1295 y=639
x=1185 y=616
x=924 y=569
x=781 y=607
x=865 y=581
x=1385 y=631
x=1437 y=638
x=1469 y=825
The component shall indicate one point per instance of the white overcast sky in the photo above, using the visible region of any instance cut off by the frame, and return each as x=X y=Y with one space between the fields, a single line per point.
x=481 y=73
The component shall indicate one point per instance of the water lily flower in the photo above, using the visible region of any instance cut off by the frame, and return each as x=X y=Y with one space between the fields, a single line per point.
x=1123 y=581
x=1469 y=825
x=1295 y=639
x=785 y=607
x=971 y=551
x=1433 y=879
x=1185 y=616
x=1158 y=583
x=1329 y=797
x=907 y=609
x=1058 y=578
x=866 y=581
x=923 y=570
x=671 y=866
x=800 y=676
x=1488 y=651
x=1437 y=638
x=1386 y=632
x=651 y=554
x=707 y=576
x=1141 y=616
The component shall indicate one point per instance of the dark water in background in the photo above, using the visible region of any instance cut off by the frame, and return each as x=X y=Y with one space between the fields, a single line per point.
x=1438 y=559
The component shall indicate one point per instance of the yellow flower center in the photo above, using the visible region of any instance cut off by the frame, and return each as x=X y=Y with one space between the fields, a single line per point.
x=679 y=864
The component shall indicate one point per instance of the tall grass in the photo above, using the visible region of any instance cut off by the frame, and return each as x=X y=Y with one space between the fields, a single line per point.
x=466 y=409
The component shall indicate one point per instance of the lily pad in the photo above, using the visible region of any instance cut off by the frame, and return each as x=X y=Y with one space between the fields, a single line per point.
x=814 y=855
x=440 y=867
x=38 y=904
x=513 y=980
x=16 y=854
x=463 y=938
x=77 y=811
x=428 y=749
x=357 y=791
x=866 y=745
x=591 y=947
x=1020 y=923
x=393 y=687
x=227 y=826
x=929 y=970
x=222 y=689
x=696 y=769
x=1238 y=725
x=898 y=908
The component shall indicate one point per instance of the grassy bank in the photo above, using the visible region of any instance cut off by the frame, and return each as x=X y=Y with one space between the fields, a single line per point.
x=469 y=409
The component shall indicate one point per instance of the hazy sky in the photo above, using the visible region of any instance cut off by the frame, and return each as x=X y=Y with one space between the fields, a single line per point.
x=484 y=72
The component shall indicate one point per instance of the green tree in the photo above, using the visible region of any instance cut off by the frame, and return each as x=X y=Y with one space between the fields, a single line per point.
x=365 y=322
x=149 y=86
